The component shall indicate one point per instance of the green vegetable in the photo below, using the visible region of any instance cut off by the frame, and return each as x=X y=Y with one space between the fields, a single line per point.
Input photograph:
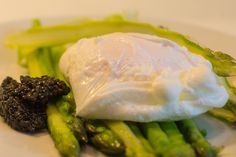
x=69 y=33
x=192 y=134
x=229 y=84
x=134 y=147
x=39 y=63
x=74 y=123
x=103 y=138
x=65 y=105
x=94 y=126
x=178 y=147
x=56 y=53
x=79 y=130
x=108 y=142
x=36 y=23
x=223 y=113
x=139 y=135
x=22 y=56
x=167 y=142
x=63 y=138
x=156 y=137
x=24 y=52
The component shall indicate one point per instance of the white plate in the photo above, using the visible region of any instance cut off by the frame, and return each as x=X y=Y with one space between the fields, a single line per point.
x=13 y=143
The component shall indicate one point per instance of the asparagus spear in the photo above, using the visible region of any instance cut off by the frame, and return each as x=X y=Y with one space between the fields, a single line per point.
x=195 y=138
x=178 y=146
x=39 y=63
x=139 y=135
x=134 y=147
x=156 y=137
x=61 y=34
x=224 y=114
x=65 y=106
x=74 y=123
x=103 y=138
x=229 y=84
x=23 y=53
x=108 y=142
x=63 y=137
x=94 y=126
x=167 y=142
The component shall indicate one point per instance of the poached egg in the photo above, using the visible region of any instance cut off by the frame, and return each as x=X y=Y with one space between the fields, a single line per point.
x=139 y=77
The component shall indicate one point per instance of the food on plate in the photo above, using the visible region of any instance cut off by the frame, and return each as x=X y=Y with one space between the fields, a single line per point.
x=122 y=71
x=23 y=105
x=103 y=138
x=139 y=77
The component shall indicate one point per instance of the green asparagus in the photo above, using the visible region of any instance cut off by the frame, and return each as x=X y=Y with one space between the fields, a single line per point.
x=39 y=63
x=67 y=33
x=74 y=123
x=166 y=142
x=108 y=143
x=63 y=137
x=192 y=134
x=65 y=106
x=103 y=138
x=94 y=126
x=24 y=52
x=156 y=137
x=178 y=147
x=139 y=135
x=224 y=114
x=229 y=84
x=134 y=147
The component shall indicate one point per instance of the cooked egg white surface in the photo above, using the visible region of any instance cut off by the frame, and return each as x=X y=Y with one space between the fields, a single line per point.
x=139 y=77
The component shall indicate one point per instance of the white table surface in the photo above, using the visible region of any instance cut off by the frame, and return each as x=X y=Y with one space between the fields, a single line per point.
x=218 y=15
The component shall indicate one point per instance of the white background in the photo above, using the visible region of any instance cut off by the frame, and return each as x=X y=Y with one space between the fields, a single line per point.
x=214 y=14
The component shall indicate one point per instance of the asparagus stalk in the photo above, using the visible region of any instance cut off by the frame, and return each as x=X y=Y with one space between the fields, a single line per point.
x=74 y=123
x=156 y=137
x=24 y=52
x=139 y=135
x=63 y=137
x=65 y=106
x=39 y=63
x=103 y=138
x=224 y=114
x=178 y=146
x=232 y=106
x=108 y=143
x=94 y=126
x=229 y=84
x=134 y=147
x=61 y=34
x=166 y=142
x=195 y=138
